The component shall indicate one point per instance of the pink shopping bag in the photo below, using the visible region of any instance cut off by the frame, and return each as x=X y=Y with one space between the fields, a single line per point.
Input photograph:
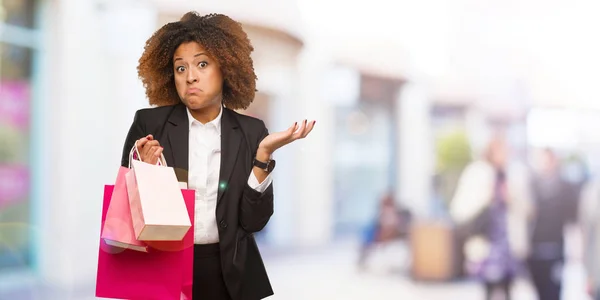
x=164 y=273
x=118 y=225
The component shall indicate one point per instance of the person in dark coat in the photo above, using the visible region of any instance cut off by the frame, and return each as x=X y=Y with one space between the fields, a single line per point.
x=555 y=206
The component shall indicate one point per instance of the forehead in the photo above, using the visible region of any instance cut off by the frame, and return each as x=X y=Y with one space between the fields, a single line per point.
x=189 y=49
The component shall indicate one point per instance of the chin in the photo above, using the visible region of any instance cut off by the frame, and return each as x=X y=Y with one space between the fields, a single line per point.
x=195 y=104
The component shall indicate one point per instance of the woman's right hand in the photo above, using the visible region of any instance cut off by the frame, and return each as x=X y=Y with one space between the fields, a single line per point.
x=149 y=149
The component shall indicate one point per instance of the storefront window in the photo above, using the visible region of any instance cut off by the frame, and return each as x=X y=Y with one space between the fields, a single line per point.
x=17 y=12
x=15 y=99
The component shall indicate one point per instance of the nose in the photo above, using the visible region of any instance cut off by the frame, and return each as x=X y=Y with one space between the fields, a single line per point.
x=192 y=77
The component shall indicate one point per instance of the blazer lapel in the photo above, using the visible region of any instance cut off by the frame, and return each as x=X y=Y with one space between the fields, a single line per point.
x=231 y=137
x=178 y=133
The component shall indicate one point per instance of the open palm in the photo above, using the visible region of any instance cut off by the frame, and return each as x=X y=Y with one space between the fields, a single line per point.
x=277 y=140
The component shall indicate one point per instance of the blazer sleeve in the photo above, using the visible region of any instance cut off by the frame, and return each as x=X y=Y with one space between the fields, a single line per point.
x=256 y=208
x=136 y=131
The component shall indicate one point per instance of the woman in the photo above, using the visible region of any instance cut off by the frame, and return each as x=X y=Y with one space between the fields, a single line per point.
x=197 y=70
x=492 y=203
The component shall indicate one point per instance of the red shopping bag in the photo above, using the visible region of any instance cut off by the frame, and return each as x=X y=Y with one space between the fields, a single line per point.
x=163 y=273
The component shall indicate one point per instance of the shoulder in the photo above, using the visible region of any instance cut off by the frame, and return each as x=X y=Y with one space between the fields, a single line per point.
x=154 y=112
x=254 y=129
x=248 y=122
x=250 y=125
x=155 y=117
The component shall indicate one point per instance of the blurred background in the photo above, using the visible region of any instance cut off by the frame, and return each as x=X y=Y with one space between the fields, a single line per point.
x=457 y=142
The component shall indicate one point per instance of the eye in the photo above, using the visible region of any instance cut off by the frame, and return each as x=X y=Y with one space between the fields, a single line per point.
x=180 y=69
x=202 y=64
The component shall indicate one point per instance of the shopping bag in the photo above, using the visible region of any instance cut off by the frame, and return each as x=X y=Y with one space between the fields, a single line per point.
x=157 y=207
x=163 y=273
x=118 y=227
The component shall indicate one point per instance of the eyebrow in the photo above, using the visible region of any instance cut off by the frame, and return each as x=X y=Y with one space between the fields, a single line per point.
x=199 y=54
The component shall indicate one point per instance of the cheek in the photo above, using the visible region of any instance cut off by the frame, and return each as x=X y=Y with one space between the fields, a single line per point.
x=179 y=85
x=217 y=80
x=213 y=80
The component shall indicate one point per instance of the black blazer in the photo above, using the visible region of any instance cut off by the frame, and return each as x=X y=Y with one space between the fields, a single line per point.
x=241 y=210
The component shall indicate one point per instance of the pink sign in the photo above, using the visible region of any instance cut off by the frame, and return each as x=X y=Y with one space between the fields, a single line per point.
x=14 y=103
x=14 y=184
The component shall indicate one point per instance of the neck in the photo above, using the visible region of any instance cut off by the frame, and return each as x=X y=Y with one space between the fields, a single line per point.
x=206 y=114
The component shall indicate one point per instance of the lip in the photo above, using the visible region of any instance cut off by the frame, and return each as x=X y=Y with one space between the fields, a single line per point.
x=193 y=91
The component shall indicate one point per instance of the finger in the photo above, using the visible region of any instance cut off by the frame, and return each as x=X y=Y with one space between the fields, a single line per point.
x=143 y=149
x=300 y=131
x=293 y=128
x=146 y=149
x=309 y=128
x=152 y=160
x=150 y=157
x=158 y=151
x=148 y=154
x=150 y=137
x=304 y=130
x=153 y=143
x=300 y=127
x=290 y=132
x=141 y=142
x=141 y=145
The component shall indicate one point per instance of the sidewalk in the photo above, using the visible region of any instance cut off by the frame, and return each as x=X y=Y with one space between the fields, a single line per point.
x=329 y=273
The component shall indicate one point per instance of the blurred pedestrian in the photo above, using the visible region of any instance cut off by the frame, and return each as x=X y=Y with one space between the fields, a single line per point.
x=391 y=223
x=555 y=206
x=491 y=206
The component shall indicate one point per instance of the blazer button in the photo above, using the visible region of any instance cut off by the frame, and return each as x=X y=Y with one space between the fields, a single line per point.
x=223 y=224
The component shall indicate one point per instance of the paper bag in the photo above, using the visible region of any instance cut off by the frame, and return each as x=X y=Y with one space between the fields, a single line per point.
x=118 y=227
x=157 y=206
x=164 y=273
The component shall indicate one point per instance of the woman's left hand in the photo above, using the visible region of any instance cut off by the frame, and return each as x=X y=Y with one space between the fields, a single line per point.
x=277 y=140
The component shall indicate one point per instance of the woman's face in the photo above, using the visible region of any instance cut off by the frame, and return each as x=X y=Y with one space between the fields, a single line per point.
x=498 y=153
x=198 y=77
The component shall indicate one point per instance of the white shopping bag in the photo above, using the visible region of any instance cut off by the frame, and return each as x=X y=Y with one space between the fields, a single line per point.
x=157 y=206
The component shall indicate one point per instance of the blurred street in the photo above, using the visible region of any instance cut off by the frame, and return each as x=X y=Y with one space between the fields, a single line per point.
x=331 y=274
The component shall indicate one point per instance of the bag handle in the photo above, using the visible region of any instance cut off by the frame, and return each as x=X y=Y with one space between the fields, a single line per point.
x=134 y=151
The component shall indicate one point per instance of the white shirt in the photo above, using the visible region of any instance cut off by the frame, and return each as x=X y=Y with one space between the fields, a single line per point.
x=203 y=176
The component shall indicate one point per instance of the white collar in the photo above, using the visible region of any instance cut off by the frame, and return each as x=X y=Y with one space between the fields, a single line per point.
x=216 y=122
